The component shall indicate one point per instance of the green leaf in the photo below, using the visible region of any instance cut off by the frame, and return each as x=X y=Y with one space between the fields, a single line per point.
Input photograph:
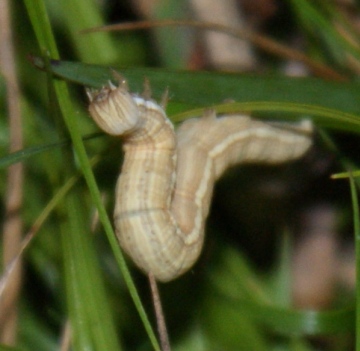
x=24 y=154
x=356 y=219
x=9 y=348
x=236 y=288
x=330 y=104
x=304 y=323
x=210 y=88
x=87 y=326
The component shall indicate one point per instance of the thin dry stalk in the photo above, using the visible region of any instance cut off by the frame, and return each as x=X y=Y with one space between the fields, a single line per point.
x=267 y=44
x=13 y=223
x=65 y=342
x=159 y=313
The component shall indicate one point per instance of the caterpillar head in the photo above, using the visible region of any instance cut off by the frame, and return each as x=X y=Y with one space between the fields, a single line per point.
x=114 y=109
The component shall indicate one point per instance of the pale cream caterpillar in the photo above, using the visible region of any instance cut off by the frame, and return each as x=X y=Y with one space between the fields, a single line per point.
x=164 y=190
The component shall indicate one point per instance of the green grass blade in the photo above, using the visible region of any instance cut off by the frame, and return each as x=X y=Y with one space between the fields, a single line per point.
x=236 y=288
x=304 y=323
x=26 y=153
x=97 y=48
x=211 y=88
x=41 y=25
x=288 y=322
x=324 y=117
x=70 y=119
x=356 y=219
x=316 y=20
x=86 y=298
x=9 y=348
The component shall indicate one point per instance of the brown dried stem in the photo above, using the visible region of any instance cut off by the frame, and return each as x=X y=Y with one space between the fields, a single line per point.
x=261 y=41
x=13 y=202
x=160 y=318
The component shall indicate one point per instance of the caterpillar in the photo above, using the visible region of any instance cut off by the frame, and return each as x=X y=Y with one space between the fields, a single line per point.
x=166 y=182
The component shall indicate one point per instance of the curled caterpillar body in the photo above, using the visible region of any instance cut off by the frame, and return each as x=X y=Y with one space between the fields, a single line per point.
x=165 y=186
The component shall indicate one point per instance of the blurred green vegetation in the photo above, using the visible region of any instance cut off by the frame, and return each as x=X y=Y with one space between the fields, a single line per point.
x=238 y=296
